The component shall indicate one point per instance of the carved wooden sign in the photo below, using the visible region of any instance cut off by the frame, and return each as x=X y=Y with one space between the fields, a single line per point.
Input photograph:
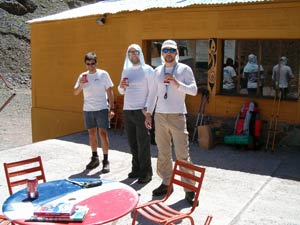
x=212 y=58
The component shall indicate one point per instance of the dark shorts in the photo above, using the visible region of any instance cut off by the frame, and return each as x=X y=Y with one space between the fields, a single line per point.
x=97 y=119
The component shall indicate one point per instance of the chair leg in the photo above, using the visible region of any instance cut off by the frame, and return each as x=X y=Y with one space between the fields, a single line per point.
x=192 y=220
x=116 y=123
x=187 y=217
x=208 y=220
x=134 y=217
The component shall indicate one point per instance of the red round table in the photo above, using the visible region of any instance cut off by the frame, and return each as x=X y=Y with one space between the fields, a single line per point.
x=108 y=202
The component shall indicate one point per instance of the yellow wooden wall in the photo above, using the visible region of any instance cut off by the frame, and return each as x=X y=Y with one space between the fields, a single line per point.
x=58 y=48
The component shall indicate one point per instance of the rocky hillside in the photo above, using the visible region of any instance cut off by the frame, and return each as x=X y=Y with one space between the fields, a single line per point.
x=15 y=34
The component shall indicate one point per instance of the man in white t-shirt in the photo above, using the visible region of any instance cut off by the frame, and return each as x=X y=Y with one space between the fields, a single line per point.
x=172 y=81
x=97 y=87
x=229 y=76
x=136 y=82
x=281 y=75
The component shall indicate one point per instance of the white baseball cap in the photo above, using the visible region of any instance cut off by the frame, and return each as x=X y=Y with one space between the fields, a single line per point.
x=169 y=44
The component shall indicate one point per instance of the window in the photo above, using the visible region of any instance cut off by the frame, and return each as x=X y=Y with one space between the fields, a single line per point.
x=261 y=68
x=191 y=52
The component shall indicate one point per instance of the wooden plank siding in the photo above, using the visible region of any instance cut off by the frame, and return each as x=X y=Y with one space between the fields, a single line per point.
x=58 y=48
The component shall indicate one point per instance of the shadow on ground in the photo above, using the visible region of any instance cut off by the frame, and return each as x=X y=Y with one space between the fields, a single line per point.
x=283 y=163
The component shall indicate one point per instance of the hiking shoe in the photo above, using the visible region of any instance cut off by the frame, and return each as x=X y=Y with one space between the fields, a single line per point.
x=189 y=196
x=133 y=174
x=146 y=179
x=161 y=190
x=105 y=168
x=93 y=163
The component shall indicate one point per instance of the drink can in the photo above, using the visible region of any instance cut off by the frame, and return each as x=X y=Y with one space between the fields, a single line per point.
x=84 y=76
x=32 y=188
x=126 y=80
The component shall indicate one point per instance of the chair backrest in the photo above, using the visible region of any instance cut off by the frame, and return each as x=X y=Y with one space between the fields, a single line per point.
x=18 y=172
x=119 y=104
x=184 y=174
x=118 y=120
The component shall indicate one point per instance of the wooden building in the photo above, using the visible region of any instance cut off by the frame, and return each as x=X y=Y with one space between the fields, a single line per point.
x=207 y=34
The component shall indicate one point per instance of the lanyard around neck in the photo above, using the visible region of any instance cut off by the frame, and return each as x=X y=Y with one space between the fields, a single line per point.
x=167 y=84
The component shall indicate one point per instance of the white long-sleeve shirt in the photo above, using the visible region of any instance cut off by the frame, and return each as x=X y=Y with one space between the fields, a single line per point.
x=140 y=81
x=175 y=102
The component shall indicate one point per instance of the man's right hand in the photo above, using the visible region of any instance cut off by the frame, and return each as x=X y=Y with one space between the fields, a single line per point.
x=123 y=84
x=148 y=121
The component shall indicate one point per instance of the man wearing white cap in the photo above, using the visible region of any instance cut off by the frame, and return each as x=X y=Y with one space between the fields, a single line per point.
x=281 y=75
x=135 y=84
x=172 y=81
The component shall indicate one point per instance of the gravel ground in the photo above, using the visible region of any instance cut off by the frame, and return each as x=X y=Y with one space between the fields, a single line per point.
x=15 y=119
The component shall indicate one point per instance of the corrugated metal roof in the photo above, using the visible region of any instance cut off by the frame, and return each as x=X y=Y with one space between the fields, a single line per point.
x=115 y=6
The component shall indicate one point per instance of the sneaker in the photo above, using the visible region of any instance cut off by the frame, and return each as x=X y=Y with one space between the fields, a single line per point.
x=161 y=190
x=146 y=179
x=133 y=174
x=93 y=163
x=189 y=196
x=105 y=168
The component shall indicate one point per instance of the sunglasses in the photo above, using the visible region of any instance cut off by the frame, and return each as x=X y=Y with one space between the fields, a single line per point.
x=136 y=52
x=90 y=64
x=171 y=50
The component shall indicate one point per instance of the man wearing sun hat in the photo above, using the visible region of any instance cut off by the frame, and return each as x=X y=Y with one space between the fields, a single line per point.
x=135 y=84
x=172 y=81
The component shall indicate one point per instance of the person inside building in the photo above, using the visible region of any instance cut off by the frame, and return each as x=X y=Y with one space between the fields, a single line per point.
x=254 y=75
x=281 y=75
x=229 y=77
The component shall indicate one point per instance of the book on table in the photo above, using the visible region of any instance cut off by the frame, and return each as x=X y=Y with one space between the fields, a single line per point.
x=64 y=208
x=77 y=215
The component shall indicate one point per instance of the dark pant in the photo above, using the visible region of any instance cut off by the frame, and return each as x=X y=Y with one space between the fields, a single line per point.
x=284 y=92
x=139 y=142
x=252 y=92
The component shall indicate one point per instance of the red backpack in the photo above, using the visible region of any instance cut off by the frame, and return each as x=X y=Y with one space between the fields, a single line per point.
x=247 y=121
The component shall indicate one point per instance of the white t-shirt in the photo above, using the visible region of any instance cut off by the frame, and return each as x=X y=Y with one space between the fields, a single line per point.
x=140 y=80
x=94 y=91
x=252 y=74
x=175 y=102
x=285 y=73
x=228 y=75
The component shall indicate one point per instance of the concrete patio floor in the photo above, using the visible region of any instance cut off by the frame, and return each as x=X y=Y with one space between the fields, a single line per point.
x=240 y=187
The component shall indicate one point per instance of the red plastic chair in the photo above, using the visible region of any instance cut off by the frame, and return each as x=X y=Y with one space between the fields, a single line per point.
x=4 y=221
x=158 y=211
x=118 y=120
x=18 y=172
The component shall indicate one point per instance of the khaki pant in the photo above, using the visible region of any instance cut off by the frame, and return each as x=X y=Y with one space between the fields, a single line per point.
x=171 y=128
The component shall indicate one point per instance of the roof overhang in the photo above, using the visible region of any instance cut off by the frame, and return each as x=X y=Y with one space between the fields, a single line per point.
x=117 y=6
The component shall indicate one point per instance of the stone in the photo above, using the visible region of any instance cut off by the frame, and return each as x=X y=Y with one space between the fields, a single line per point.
x=13 y=7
